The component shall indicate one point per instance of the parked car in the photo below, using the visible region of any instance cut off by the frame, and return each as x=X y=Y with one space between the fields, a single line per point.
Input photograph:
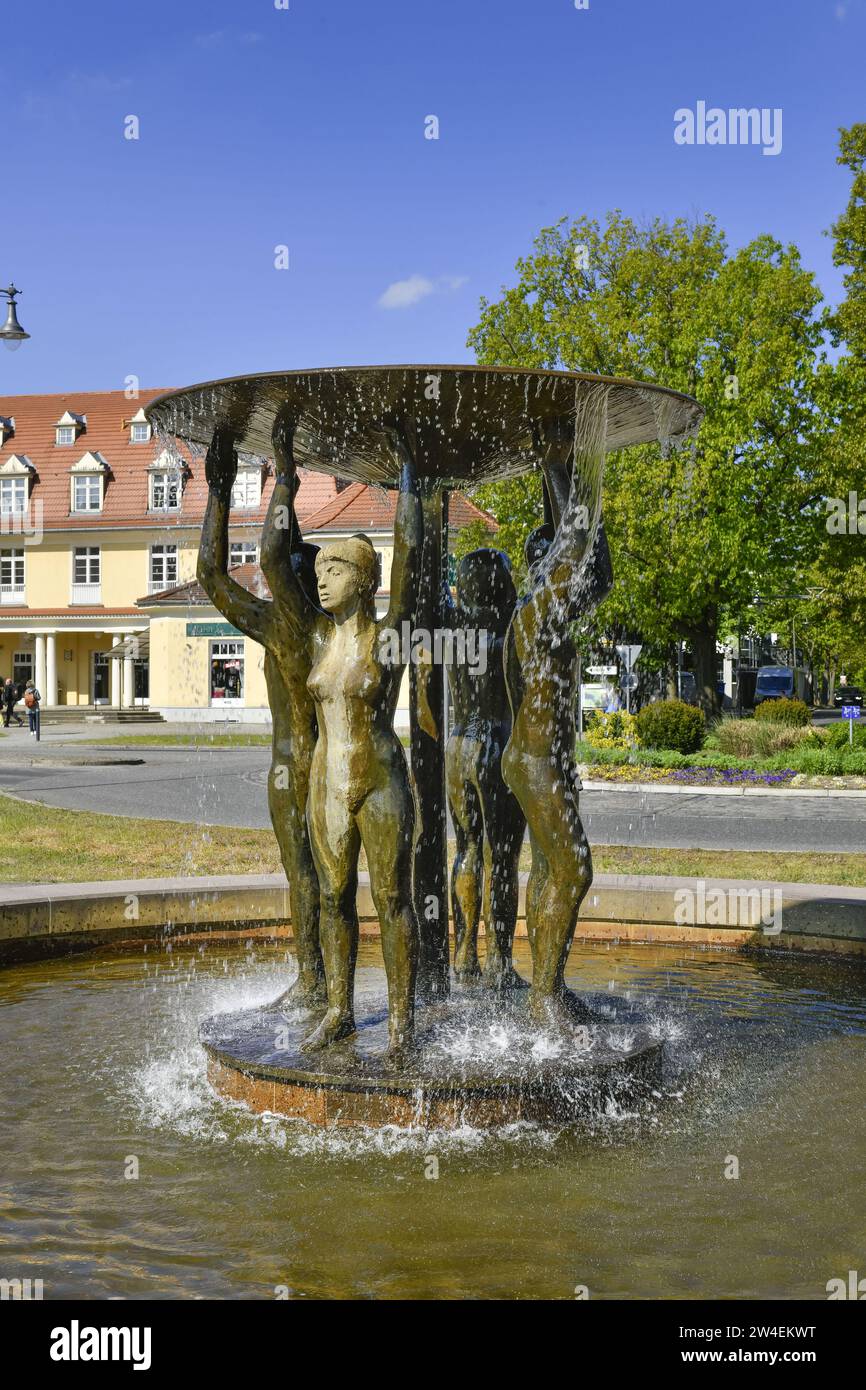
x=848 y=695
x=688 y=687
x=783 y=682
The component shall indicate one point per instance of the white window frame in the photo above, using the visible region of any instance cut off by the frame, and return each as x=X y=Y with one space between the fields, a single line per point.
x=170 y=480
x=247 y=490
x=100 y=659
x=163 y=552
x=12 y=588
x=252 y=553
x=13 y=487
x=92 y=495
x=64 y=430
x=135 y=432
x=88 y=590
x=27 y=660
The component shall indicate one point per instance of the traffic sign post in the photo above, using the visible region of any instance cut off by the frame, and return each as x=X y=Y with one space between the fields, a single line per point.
x=628 y=655
x=851 y=712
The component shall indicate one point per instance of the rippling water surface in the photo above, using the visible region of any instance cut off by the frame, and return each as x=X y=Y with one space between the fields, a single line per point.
x=99 y=1064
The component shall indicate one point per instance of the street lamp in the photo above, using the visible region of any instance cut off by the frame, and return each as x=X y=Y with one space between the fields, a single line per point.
x=12 y=333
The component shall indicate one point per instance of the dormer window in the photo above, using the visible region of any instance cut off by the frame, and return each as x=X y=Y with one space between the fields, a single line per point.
x=13 y=496
x=7 y=428
x=87 y=479
x=15 y=475
x=166 y=484
x=69 y=427
x=139 y=429
x=247 y=489
x=87 y=493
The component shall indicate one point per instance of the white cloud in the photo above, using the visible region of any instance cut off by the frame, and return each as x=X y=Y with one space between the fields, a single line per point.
x=402 y=294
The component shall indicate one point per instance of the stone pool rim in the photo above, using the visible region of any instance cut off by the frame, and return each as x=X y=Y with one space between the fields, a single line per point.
x=57 y=919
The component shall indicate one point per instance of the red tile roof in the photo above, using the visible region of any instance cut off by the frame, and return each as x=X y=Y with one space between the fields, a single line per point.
x=320 y=505
x=249 y=576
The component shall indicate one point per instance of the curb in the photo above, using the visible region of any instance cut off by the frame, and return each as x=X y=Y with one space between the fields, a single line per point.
x=591 y=785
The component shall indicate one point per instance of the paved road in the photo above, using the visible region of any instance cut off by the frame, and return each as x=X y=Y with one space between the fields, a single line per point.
x=226 y=786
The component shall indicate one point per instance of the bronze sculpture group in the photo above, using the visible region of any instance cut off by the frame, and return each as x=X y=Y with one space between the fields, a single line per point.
x=339 y=778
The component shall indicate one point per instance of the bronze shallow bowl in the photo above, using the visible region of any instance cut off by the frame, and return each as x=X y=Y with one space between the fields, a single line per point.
x=472 y=423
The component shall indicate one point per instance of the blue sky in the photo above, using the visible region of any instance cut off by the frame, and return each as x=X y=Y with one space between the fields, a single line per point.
x=304 y=127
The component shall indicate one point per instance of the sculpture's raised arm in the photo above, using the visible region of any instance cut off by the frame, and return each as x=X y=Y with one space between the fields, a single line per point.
x=252 y=616
x=281 y=533
x=570 y=457
x=408 y=530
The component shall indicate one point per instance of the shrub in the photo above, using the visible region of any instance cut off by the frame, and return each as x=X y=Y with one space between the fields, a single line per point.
x=837 y=735
x=784 y=711
x=824 y=762
x=672 y=724
x=613 y=730
x=759 y=738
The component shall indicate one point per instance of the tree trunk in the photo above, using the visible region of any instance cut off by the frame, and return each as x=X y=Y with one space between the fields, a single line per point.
x=703 y=645
x=673 y=692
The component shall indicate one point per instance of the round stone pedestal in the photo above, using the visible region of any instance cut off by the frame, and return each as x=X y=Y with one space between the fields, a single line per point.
x=478 y=1061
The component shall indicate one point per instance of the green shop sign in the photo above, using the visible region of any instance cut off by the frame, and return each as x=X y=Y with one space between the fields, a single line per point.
x=212 y=630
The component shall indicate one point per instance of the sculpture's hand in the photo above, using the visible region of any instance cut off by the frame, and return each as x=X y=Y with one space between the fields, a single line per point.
x=400 y=443
x=553 y=440
x=283 y=439
x=221 y=463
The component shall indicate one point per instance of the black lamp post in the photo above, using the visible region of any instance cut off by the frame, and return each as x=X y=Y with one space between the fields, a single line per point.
x=12 y=334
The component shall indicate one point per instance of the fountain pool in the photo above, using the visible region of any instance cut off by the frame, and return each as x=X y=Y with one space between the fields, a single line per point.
x=764 y=1060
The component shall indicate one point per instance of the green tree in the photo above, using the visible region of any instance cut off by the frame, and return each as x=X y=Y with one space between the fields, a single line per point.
x=692 y=534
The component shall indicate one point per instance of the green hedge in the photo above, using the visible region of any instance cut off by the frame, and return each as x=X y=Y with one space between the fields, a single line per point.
x=671 y=724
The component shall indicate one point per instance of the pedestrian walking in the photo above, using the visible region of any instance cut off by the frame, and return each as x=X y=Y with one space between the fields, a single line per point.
x=9 y=698
x=31 y=700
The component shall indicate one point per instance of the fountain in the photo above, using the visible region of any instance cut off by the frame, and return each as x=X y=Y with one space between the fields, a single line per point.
x=488 y=1048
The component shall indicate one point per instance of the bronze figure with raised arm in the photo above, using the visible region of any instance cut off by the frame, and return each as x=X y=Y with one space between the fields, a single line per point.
x=287 y=666
x=569 y=573
x=488 y=821
x=360 y=794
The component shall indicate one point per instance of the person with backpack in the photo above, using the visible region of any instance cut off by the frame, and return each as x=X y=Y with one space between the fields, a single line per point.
x=31 y=700
x=9 y=699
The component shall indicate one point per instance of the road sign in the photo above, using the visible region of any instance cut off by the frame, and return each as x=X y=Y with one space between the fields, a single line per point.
x=851 y=712
x=602 y=670
x=629 y=655
x=629 y=682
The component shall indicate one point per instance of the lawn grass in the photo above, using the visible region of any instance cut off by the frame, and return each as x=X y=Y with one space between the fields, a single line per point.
x=43 y=844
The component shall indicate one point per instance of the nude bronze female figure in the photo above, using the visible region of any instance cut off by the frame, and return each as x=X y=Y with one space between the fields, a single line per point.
x=287 y=667
x=488 y=821
x=360 y=793
x=570 y=572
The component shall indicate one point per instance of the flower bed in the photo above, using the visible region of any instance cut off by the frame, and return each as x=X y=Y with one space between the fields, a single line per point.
x=690 y=776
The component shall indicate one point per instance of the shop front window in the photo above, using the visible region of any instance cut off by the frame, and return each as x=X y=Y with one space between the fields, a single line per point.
x=227 y=673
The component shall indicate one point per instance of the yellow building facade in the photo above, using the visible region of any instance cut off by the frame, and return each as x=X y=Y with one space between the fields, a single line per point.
x=99 y=531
